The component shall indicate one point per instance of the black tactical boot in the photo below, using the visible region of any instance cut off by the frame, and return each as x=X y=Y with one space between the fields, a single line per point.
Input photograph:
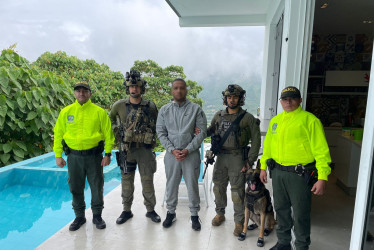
x=195 y=223
x=98 y=221
x=154 y=216
x=77 y=223
x=125 y=215
x=279 y=246
x=170 y=218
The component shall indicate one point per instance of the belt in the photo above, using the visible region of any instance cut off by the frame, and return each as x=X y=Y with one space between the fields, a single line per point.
x=137 y=145
x=92 y=151
x=230 y=151
x=298 y=169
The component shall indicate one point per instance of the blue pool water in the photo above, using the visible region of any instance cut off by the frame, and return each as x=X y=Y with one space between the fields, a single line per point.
x=35 y=201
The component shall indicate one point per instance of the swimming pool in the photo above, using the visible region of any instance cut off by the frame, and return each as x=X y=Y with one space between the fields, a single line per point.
x=35 y=201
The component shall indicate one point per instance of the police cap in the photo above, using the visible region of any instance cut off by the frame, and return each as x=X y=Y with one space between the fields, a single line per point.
x=291 y=92
x=82 y=84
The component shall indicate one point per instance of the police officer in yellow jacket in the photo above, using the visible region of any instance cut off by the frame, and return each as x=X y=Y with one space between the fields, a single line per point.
x=297 y=154
x=83 y=130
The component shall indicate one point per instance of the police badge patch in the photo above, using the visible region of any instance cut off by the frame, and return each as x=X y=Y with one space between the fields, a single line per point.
x=70 y=118
x=274 y=126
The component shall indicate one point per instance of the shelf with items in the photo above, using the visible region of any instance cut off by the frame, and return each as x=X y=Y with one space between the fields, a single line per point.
x=338 y=93
x=316 y=86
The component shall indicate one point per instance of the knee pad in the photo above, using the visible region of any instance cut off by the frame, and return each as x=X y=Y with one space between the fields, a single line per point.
x=127 y=185
x=148 y=187
x=147 y=182
x=237 y=195
x=216 y=191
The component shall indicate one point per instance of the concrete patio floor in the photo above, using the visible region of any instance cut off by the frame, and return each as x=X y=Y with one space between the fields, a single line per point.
x=332 y=216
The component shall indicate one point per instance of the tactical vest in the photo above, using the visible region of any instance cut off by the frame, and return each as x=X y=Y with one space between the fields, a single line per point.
x=138 y=125
x=238 y=138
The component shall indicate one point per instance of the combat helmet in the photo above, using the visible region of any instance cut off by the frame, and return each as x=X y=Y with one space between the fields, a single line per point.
x=133 y=79
x=234 y=90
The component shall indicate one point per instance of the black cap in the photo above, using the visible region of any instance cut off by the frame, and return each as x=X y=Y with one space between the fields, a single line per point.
x=82 y=84
x=290 y=91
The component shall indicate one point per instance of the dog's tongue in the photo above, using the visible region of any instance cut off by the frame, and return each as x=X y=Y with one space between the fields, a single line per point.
x=253 y=187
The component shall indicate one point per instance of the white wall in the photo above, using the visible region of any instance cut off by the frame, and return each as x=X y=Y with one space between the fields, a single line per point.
x=273 y=17
x=295 y=69
x=295 y=53
x=365 y=170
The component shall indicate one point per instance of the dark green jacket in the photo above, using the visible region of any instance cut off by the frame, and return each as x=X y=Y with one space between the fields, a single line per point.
x=248 y=132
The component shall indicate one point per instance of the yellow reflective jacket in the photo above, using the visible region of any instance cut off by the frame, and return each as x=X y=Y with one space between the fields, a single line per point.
x=82 y=127
x=297 y=137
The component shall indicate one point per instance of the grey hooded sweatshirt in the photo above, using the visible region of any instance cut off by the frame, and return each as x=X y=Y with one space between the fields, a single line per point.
x=176 y=130
x=176 y=126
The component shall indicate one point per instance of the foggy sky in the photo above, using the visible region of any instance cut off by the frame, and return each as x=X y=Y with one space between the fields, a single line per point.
x=118 y=32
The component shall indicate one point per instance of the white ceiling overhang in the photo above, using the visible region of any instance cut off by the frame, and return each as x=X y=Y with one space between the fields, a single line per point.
x=212 y=13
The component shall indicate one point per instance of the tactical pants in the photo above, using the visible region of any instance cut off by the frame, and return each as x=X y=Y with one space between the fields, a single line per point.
x=227 y=169
x=190 y=170
x=290 y=190
x=146 y=161
x=78 y=168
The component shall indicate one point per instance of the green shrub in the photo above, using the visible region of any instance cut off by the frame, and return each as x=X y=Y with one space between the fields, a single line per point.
x=30 y=101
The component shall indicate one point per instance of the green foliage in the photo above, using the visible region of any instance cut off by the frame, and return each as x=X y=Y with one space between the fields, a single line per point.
x=159 y=82
x=159 y=147
x=106 y=85
x=30 y=101
x=32 y=95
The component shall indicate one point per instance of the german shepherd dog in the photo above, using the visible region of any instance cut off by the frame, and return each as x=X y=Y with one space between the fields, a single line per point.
x=258 y=206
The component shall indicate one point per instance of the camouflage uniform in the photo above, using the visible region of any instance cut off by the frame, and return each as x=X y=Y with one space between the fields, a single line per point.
x=139 y=121
x=139 y=152
x=230 y=160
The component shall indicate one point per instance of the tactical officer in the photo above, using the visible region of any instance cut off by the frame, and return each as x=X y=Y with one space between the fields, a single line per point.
x=295 y=150
x=138 y=116
x=176 y=125
x=83 y=130
x=234 y=155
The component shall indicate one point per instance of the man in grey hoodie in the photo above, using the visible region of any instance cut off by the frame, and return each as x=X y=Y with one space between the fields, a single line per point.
x=175 y=128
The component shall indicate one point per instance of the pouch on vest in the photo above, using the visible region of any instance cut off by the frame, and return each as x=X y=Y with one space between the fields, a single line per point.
x=129 y=136
x=148 y=138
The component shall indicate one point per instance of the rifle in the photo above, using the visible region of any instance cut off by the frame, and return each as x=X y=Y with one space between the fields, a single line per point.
x=121 y=155
x=209 y=160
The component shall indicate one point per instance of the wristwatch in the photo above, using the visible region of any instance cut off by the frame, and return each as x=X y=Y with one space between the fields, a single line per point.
x=108 y=154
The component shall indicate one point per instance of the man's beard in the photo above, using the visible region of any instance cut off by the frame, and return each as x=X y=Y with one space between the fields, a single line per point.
x=232 y=106
x=133 y=95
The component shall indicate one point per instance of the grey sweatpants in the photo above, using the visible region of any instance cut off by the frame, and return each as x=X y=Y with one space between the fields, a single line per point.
x=190 y=170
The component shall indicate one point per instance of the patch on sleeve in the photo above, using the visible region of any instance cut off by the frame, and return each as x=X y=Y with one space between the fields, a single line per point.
x=274 y=126
x=70 y=119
